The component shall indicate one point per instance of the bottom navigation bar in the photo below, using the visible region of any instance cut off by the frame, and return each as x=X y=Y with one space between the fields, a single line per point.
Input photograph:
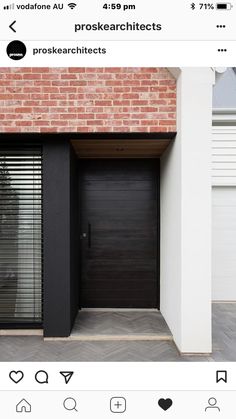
x=133 y=404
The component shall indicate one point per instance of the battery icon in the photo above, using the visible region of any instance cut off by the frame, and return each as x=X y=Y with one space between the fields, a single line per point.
x=224 y=6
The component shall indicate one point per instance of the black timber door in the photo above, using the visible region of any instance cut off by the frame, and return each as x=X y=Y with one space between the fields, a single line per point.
x=119 y=233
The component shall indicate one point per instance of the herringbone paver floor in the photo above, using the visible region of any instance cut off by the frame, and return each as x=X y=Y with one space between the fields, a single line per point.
x=120 y=323
x=35 y=349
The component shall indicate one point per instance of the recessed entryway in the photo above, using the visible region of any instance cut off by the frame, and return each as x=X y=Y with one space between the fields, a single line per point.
x=119 y=232
x=119 y=325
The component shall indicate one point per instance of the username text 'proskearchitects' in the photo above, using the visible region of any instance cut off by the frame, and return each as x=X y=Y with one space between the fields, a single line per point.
x=74 y=50
x=127 y=26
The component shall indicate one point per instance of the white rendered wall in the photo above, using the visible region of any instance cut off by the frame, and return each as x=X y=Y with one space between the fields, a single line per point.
x=186 y=216
x=170 y=241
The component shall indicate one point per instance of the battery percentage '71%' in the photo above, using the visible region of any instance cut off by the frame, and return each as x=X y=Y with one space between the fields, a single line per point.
x=119 y=6
x=212 y=6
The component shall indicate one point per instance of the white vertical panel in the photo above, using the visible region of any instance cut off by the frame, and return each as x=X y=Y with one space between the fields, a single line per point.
x=224 y=243
x=186 y=216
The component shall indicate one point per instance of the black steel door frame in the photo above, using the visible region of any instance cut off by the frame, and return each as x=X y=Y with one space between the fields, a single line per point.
x=60 y=238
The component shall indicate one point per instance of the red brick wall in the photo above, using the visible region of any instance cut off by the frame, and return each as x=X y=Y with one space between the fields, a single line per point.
x=87 y=100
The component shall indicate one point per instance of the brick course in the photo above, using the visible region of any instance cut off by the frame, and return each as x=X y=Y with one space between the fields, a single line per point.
x=87 y=100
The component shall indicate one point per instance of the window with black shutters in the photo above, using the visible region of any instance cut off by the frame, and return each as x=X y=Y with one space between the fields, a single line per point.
x=20 y=234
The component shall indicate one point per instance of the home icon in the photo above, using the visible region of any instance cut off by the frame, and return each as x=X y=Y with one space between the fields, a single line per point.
x=23 y=407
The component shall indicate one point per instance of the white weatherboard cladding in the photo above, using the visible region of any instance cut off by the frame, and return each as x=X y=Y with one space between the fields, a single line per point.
x=224 y=243
x=224 y=156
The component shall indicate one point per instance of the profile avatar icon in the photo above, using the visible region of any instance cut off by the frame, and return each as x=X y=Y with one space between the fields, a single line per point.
x=16 y=50
x=212 y=402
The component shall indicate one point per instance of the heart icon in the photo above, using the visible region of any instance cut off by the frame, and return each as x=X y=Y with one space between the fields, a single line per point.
x=16 y=376
x=165 y=404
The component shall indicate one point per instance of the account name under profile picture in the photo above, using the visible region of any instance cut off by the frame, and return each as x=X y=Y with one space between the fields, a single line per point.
x=16 y=50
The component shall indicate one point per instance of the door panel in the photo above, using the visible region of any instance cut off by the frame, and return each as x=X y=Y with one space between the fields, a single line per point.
x=119 y=205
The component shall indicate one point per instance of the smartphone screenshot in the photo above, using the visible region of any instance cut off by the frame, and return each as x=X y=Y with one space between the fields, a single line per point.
x=117 y=209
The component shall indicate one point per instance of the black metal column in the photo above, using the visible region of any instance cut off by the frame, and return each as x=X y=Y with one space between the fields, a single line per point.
x=59 y=266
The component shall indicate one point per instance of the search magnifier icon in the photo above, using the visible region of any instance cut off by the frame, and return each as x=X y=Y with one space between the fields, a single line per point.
x=70 y=404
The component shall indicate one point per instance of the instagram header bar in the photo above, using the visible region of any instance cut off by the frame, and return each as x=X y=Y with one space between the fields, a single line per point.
x=122 y=33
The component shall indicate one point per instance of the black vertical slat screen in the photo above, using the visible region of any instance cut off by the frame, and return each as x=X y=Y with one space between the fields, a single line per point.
x=20 y=234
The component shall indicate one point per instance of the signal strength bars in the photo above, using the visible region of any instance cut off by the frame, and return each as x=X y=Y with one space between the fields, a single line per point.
x=9 y=7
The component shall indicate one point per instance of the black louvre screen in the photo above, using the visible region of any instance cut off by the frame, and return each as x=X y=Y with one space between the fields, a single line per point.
x=20 y=234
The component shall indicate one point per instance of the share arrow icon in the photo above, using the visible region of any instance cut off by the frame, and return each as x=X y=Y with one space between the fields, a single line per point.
x=67 y=375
